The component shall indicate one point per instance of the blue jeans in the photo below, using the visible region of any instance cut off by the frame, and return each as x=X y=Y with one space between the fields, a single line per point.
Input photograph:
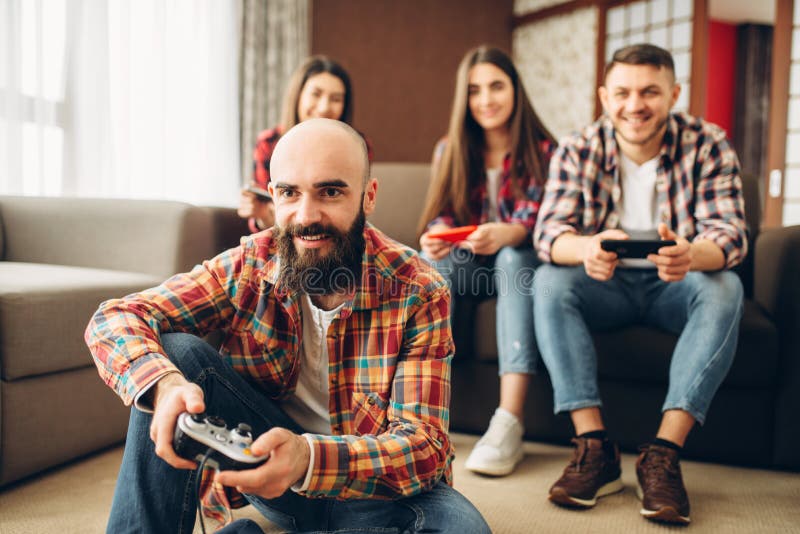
x=508 y=275
x=151 y=496
x=703 y=309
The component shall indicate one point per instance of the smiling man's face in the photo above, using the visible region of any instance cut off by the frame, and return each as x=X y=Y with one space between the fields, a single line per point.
x=321 y=202
x=637 y=99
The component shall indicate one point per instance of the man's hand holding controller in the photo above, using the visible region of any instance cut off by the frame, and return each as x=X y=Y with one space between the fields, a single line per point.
x=598 y=263
x=289 y=454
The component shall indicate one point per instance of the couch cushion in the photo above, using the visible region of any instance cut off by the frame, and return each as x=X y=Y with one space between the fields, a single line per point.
x=643 y=354
x=44 y=310
x=401 y=194
x=75 y=412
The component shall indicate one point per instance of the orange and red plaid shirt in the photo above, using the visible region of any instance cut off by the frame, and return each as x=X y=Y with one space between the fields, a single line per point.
x=390 y=349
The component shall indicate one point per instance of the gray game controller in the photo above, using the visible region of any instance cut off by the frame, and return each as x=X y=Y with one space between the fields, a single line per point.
x=196 y=434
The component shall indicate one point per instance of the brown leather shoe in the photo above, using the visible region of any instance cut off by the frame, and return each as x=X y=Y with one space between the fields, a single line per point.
x=661 y=486
x=592 y=472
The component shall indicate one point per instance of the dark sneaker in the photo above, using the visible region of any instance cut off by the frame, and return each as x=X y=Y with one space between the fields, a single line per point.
x=593 y=472
x=661 y=486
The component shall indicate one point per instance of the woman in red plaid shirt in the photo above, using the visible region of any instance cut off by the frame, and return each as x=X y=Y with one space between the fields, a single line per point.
x=319 y=88
x=489 y=172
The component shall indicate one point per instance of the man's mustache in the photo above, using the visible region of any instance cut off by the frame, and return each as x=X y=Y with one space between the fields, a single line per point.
x=298 y=230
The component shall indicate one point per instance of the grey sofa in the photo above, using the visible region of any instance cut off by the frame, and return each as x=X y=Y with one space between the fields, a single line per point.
x=754 y=417
x=59 y=258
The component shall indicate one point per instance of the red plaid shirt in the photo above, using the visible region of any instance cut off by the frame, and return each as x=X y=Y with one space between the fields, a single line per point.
x=699 y=190
x=390 y=349
x=510 y=209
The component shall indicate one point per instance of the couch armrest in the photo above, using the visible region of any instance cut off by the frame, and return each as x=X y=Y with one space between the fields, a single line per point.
x=777 y=264
x=777 y=290
x=228 y=228
x=144 y=236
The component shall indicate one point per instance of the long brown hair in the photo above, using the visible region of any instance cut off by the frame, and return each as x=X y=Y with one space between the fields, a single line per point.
x=310 y=67
x=461 y=167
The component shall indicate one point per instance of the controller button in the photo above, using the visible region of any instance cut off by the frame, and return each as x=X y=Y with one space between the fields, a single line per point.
x=220 y=437
x=216 y=421
x=248 y=452
x=243 y=429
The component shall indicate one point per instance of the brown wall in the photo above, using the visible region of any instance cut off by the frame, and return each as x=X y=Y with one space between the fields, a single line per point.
x=402 y=57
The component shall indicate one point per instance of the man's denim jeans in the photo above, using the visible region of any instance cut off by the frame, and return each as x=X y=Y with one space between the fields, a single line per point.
x=704 y=309
x=153 y=497
x=509 y=276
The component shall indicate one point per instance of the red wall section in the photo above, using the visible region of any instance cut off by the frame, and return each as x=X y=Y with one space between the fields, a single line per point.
x=721 y=75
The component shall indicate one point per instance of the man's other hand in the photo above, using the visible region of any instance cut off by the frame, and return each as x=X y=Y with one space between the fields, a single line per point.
x=173 y=396
x=599 y=263
x=289 y=456
x=673 y=262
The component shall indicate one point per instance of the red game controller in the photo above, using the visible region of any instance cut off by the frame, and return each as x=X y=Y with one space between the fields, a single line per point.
x=454 y=235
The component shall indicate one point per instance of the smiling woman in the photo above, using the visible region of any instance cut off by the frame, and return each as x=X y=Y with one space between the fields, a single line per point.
x=489 y=174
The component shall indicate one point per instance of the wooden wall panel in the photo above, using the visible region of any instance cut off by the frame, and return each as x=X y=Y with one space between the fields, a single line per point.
x=402 y=57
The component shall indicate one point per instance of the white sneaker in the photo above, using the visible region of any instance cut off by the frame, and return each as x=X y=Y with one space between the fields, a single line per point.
x=500 y=449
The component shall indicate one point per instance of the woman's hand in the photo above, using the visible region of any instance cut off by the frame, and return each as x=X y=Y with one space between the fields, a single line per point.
x=263 y=211
x=434 y=249
x=491 y=237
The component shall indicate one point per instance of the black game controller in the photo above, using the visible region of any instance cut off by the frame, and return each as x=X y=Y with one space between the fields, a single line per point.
x=196 y=434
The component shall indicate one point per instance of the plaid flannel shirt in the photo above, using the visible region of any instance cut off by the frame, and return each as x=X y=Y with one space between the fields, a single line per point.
x=390 y=349
x=510 y=209
x=699 y=190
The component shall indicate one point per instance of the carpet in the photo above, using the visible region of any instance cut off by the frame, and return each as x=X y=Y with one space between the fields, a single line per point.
x=724 y=499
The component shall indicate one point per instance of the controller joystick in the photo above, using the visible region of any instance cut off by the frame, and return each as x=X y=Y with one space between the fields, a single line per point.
x=198 y=417
x=213 y=420
x=195 y=434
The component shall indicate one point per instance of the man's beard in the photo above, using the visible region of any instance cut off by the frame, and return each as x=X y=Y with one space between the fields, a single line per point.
x=660 y=123
x=336 y=272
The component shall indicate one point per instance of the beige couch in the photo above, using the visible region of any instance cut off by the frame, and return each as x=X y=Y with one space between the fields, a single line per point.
x=59 y=258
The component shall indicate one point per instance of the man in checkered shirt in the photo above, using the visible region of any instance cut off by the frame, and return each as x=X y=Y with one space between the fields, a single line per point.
x=639 y=172
x=336 y=351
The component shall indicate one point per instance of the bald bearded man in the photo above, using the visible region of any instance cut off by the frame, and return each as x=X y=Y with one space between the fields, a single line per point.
x=337 y=351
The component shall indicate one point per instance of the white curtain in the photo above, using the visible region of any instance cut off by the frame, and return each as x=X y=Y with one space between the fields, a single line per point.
x=146 y=107
x=275 y=39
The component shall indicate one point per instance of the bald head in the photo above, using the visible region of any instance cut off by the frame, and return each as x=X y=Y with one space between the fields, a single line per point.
x=321 y=139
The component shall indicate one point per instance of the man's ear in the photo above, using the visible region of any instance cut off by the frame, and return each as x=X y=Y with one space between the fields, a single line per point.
x=676 y=92
x=602 y=94
x=370 y=194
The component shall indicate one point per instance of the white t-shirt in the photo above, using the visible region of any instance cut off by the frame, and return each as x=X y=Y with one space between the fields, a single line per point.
x=308 y=405
x=638 y=210
x=492 y=191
